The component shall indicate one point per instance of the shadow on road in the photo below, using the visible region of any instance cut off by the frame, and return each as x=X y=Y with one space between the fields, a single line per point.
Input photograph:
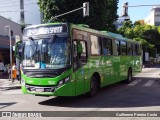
x=3 y=105
x=115 y=96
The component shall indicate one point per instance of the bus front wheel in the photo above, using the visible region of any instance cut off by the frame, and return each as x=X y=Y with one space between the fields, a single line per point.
x=93 y=86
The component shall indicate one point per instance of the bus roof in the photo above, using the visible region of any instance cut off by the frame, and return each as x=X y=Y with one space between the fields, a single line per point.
x=87 y=29
x=103 y=33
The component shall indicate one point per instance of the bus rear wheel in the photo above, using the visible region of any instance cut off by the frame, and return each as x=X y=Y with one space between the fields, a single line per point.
x=129 y=77
x=93 y=86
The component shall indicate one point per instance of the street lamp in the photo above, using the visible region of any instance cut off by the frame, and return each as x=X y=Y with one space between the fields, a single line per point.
x=9 y=33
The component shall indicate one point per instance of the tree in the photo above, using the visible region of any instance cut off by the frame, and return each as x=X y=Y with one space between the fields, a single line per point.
x=148 y=35
x=158 y=29
x=103 y=13
x=127 y=25
x=152 y=36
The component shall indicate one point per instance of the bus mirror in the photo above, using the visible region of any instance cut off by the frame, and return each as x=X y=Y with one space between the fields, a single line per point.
x=18 y=49
x=54 y=37
x=31 y=38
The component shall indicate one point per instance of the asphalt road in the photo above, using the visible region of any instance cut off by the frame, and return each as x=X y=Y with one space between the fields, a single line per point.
x=142 y=94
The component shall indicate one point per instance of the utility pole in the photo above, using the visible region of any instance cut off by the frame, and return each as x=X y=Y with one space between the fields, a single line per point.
x=22 y=12
x=10 y=41
x=42 y=17
x=125 y=15
x=125 y=9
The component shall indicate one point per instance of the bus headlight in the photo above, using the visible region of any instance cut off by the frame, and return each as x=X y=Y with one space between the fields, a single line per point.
x=61 y=82
x=66 y=79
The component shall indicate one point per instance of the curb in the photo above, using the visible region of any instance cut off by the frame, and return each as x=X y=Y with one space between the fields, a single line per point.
x=10 y=87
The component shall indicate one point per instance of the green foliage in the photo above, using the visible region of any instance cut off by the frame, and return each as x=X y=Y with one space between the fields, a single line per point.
x=152 y=36
x=101 y=17
x=148 y=35
x=128 y=24
x=124 y=30
x=137 y=23
x=158 y=29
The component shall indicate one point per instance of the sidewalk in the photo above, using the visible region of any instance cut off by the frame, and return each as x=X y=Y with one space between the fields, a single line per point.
x=7 y=84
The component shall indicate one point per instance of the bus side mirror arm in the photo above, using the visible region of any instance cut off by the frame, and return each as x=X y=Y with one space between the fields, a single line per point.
x=17 y=49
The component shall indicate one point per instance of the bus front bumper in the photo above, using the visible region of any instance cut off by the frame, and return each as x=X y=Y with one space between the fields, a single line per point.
x=64 y=90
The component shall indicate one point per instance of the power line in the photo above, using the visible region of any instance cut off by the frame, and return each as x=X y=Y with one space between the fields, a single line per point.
x=10 y=2
x=18 y=11
x=142 y=5
x=6 y=2
x=9 y=11
x=18 y=5
x=31 y=13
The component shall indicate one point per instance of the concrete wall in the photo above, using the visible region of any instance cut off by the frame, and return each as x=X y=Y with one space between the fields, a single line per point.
x=15 y=27
x=154 y=17
x=150 y=19
x=4 y=38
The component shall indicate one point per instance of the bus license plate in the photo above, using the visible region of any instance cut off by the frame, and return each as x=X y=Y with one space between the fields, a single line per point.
x=39 y=89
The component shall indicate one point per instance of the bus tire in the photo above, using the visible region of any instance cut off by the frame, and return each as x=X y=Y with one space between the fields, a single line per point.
x=129 y=76
x=93 y=86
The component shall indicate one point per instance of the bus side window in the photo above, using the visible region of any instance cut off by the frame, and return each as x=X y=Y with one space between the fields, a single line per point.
x=83 y=50
x=117 y=47
x=134 y=49
x=123 y=48
x=80 y=53
x=129 y=48
x=107 y=46
x=139 y=50
x=96 y=45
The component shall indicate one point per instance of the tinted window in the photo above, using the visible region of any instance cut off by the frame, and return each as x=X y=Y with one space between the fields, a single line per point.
x=129 y=48
x=117 y=47
x=95 y=45
x=107 y=46
x=123 y=48
x=134 y=49
x=138 y=49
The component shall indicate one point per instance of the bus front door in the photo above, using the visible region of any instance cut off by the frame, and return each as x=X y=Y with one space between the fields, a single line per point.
x=80 y=81
x=80 y=60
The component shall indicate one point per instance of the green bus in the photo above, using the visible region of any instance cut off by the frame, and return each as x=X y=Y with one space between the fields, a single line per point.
x=62 y=59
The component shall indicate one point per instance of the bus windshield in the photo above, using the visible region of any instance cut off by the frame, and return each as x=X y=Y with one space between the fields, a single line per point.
x=46 y=53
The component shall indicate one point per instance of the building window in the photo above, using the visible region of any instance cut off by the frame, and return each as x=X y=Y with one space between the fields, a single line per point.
x=157 y=23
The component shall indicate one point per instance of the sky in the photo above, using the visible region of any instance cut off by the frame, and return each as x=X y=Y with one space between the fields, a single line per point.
x=11 y=9
x=137 y=13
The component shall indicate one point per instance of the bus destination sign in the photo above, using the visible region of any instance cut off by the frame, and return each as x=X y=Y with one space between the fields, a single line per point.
x=45 y=30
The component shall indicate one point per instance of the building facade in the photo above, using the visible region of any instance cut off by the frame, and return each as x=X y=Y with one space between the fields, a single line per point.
x=154 y=17
x=4 y=38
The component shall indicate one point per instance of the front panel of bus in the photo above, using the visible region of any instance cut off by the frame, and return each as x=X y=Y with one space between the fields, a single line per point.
x=46 y=61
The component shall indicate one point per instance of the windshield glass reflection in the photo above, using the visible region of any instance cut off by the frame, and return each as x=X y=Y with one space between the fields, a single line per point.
x=46 y=53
